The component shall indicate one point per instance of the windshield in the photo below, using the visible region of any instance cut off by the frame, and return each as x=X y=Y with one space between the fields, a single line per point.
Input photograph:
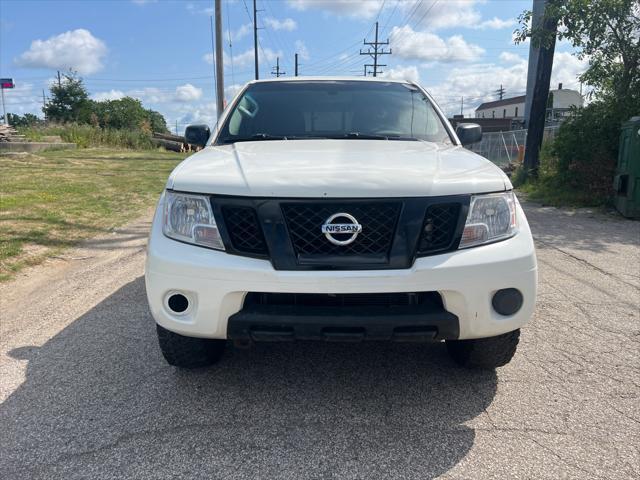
x=333 y=109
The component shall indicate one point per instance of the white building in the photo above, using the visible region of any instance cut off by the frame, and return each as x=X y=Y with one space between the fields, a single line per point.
x=563 y=100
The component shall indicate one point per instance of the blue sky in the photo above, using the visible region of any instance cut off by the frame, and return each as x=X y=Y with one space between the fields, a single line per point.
x=160 y=50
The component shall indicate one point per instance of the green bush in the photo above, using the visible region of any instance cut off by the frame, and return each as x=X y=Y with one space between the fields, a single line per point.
x=89 y=136
x=586 y=149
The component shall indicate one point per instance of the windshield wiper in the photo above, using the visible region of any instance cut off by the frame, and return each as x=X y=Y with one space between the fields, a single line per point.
x=365 y=136
x=267 y=136
x=372 y=136
x=253 y=138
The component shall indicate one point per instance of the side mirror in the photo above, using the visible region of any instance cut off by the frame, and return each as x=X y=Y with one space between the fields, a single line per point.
x=469 y=133
x=197 y=135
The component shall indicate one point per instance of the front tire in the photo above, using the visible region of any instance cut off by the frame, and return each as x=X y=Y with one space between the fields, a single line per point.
x=189 y=352
x=485 y=353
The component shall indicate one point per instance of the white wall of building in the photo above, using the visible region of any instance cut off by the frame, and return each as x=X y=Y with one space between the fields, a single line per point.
x=561 y=99
x=503 y=111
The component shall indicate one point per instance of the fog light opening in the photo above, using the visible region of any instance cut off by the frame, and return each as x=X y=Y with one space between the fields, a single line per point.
x=178 y=303
x=507 y=301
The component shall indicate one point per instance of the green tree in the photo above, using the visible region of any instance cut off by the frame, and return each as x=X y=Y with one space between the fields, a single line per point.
x=69 y=100
x=157 y=122
x=606 y=32
x=26 y=120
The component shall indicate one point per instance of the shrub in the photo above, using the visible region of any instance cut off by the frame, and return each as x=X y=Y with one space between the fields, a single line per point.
x=90 y=136
x=586 y=149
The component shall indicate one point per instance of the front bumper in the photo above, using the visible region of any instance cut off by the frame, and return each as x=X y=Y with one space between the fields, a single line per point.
x=216 y=283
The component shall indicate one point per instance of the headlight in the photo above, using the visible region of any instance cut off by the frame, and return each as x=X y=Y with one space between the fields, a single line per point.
x=189 y=218
x=491 y=218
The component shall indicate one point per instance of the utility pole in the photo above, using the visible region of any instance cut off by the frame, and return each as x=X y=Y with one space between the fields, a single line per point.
x=219 y=59
x=44 y=105
x=255 y=39
x=176 y=127
x=540 y=94
x=59 y=82
x=277 y=71
x=500 y=92
x=534 y=52
x=375 y=52
x=4 y=108
x=296 y=65
x=461 y=105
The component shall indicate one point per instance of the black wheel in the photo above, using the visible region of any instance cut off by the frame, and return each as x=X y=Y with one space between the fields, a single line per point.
x=189 y=352
x=489 y=353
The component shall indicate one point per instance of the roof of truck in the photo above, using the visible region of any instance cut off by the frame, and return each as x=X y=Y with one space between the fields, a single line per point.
x=329 y=79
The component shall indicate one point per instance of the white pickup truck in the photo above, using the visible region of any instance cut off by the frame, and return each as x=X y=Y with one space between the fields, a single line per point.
x=338 y=209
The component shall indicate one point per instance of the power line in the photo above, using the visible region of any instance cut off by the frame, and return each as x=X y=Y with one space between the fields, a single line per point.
x=417 y=24
x=233 y=76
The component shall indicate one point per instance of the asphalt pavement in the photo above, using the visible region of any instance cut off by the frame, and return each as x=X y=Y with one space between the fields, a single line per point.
x=86 y=394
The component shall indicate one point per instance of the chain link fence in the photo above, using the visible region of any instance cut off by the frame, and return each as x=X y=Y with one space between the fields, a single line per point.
x=502 y=147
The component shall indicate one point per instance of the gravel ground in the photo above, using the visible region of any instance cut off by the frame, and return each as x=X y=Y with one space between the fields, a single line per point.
x=86 y=393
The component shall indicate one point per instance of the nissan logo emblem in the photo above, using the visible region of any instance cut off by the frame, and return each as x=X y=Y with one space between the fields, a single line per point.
x=330 y=229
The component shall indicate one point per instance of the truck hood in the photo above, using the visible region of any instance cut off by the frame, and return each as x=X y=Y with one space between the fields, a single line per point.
x=337 y=168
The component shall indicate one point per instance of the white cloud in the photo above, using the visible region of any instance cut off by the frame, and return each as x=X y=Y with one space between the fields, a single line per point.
x=181 y=94
x=495 y=24
x=188 y=93
x=75 y=49
x=187 y=115
x=427 y=46
x=302 y=50
x=241 y=32
x=509 y=57
x=109 y=95
x=288 y=24
x=342 y=8
x=246 y=58
x=478 y=82
x=566 y=69
x=23 y=99
x=403 y=73
x=192 y=8
x=151 y=95
x=231 y=90
x=429 y=15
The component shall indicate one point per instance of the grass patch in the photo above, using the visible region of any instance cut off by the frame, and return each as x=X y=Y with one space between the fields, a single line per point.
x=51 y=200
x=557 y=188
x=86 y=136
x=547 y=192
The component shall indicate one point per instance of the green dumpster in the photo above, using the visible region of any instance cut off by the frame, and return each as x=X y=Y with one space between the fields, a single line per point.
x=627 y=177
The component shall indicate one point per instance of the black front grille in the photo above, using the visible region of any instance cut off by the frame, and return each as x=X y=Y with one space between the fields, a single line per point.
x=288 y=232
x=378 y=220
x=439 y=228
x=244 y=230
x=344 y=299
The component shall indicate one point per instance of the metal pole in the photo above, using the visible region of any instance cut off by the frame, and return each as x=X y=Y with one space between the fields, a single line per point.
x=4 y=108
x=375 y=56
x=296 y=63
x=255 y=39
x=540 y=95
x=534 y=52
x=219 y=59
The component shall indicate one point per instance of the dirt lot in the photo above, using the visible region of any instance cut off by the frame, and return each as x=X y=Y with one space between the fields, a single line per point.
x=86 y=394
